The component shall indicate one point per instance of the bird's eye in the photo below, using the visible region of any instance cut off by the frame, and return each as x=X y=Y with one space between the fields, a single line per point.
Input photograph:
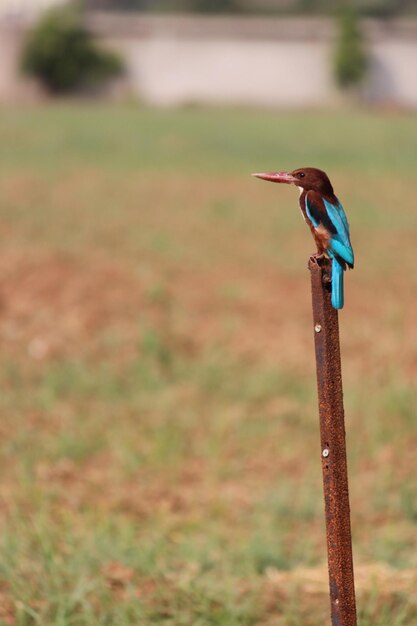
x=301 y=175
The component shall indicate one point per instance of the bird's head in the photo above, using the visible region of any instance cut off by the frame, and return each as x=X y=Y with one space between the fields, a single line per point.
x=306 y=178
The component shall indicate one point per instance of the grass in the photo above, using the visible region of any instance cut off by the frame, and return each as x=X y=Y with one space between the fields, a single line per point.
x=159 y=429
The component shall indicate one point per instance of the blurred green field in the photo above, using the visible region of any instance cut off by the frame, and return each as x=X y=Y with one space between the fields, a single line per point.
x=160 y=454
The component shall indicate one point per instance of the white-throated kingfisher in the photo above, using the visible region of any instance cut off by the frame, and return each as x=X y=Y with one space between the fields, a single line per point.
x=326 y=218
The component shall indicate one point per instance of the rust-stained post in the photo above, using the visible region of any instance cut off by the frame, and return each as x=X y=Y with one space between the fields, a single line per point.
x=333 y=446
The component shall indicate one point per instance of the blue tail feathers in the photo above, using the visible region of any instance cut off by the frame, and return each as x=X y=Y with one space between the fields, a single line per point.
x=337 y=284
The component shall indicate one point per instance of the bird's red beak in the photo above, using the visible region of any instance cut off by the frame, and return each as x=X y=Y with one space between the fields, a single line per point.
x=277 y=177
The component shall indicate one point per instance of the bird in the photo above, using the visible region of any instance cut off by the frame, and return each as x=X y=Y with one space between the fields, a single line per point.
x=326 y=218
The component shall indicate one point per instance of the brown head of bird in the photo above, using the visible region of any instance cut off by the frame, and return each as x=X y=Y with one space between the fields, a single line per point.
x=306 y=178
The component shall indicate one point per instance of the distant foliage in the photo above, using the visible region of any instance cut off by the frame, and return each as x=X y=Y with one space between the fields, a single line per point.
x=174 y=6
x=377 y=8
x=212 y=6
x=61 y=52
x=350 y=59
x=389 y=8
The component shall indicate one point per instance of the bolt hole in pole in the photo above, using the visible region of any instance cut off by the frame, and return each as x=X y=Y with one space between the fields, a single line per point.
x=333 y=447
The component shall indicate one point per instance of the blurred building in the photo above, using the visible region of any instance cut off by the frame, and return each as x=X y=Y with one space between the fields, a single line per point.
x=25 y=9
x=264 y=61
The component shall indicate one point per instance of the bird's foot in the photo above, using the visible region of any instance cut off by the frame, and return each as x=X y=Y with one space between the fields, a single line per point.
x=317 y=257
x=320 y=258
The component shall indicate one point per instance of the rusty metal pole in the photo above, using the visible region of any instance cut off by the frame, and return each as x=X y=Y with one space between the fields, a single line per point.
x=333 y=446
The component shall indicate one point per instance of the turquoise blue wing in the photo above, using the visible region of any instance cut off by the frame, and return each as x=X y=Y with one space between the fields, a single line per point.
x=340 y=240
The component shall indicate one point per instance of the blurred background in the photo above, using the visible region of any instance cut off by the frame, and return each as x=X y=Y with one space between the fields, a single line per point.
x=159 y=428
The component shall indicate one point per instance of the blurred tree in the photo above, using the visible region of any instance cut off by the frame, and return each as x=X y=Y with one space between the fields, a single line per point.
x=212 y=6
x=308 y=6
x=120 y=5
x=192 y=6
x=350 y=58
x=377 y=8
x=61 y=52
x=388 y=8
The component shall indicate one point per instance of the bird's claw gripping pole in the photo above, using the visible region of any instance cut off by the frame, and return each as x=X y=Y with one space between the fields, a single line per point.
x=333 y=445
